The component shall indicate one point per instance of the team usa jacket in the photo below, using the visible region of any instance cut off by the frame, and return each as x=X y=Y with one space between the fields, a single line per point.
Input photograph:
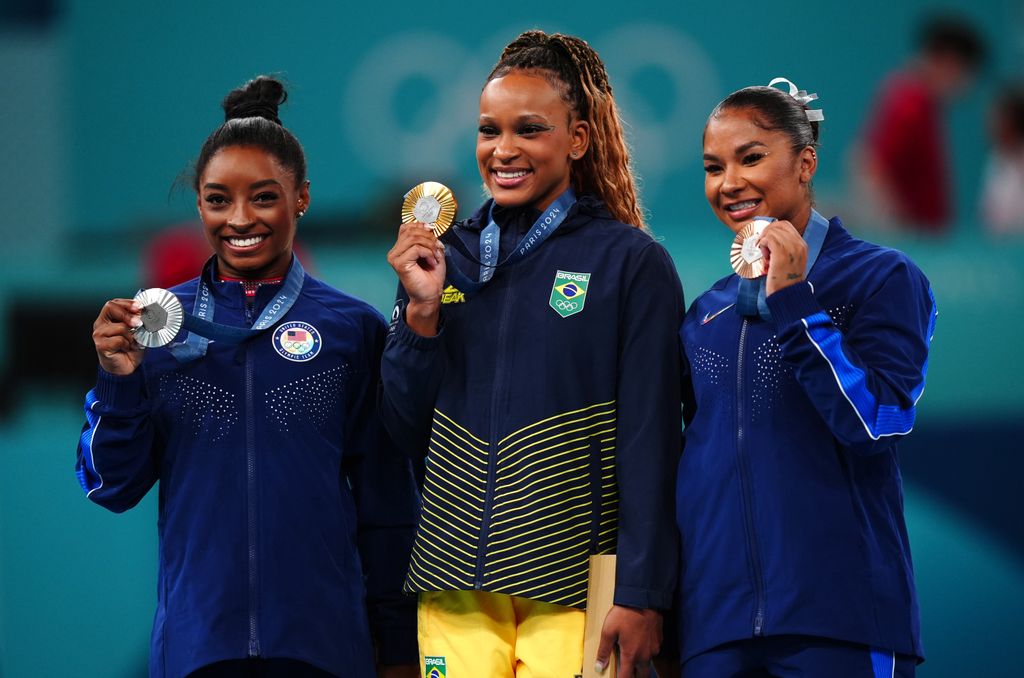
x=281 y=508
x=548 y=410
x=789 y=495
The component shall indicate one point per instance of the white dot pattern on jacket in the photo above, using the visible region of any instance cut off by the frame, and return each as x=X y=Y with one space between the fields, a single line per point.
x=314 y=399
x=709 y=365
x=841 y=316
x=206 y=408
x=769 y=371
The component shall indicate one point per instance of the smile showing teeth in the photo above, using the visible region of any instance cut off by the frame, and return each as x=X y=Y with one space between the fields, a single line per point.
x=246 y=242
x=515 y=174
x=746 y=204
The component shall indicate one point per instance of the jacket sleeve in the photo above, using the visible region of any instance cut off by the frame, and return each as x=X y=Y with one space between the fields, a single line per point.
x=117 y=452
x=387 y=505
x=865 y=382
x=649 y=438
x=411 y=371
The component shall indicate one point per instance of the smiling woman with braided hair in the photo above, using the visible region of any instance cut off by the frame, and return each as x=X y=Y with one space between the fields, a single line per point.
x=537 y=381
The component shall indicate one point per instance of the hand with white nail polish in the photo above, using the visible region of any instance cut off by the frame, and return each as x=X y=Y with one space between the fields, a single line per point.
x=418 y=259
x=112 y=334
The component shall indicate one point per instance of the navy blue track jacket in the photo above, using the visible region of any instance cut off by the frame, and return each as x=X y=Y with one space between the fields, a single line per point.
x=274 y=480
x=789 y=495
x=548 y=411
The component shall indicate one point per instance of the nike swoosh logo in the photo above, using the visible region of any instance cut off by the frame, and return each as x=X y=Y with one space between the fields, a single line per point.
x=711 y=316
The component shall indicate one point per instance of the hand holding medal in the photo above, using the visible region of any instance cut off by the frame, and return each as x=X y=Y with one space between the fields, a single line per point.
x=428 y=211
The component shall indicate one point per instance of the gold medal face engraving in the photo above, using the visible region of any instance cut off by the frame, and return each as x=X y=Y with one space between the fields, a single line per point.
x=162 y=316
x=432 y=204
x=744 y=255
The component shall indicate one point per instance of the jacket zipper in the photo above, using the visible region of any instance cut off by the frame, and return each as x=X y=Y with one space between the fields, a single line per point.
x=250 y=470
x=747 y=490
x=497 y=386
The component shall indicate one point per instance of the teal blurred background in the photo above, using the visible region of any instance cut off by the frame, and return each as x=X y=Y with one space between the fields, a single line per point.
x=104 y=104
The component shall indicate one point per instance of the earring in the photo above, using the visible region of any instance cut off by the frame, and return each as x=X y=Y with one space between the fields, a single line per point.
x=300 y=214
x=574 y=155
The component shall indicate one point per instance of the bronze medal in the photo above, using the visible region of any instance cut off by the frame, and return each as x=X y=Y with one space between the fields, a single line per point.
x=744 y=255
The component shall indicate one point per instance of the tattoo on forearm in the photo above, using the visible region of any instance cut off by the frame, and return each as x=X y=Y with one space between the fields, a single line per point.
x=793 y=276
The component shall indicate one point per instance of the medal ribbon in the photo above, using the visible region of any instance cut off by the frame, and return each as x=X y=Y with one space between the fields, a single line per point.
x=751 y=298
x=201 y=329
x=490 y=237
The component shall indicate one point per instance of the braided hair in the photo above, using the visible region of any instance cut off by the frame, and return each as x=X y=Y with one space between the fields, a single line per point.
x=574 y=69
x=250 y=119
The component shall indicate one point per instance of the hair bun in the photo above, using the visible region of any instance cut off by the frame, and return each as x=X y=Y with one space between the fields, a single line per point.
x=258 y=98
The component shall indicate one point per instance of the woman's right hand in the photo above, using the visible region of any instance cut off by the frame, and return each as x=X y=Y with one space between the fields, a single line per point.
x=116 y=347
x=418 y=259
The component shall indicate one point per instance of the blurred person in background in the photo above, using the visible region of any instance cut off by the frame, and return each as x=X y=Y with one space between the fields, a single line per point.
x=798 y=384
x=1002 y=193
x=902 y=170
x=284 y=514
x=539 y=387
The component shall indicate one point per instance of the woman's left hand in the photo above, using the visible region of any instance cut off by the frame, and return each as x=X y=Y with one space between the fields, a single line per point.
x=637 y=632
x=785 y=255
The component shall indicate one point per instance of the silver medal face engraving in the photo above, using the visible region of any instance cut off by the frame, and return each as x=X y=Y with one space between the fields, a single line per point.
x=427 y=209
x=162 y=316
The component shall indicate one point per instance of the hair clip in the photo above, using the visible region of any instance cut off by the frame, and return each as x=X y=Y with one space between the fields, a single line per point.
x=803 y=98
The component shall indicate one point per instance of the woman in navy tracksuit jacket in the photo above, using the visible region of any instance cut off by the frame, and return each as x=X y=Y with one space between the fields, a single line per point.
x=795 y=554
x=281 y=512
x=539 y=398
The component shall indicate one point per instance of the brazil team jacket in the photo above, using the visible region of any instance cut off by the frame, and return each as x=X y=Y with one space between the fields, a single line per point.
x=789 y=496
x=548 y=411
x=274 y=480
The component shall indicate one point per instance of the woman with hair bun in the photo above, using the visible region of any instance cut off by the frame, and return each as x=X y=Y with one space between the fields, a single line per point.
x=540 y=385
x=283 y=513
x=800 y=382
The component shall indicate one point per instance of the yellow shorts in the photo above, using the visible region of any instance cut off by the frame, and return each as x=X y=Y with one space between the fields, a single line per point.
x=476 y=634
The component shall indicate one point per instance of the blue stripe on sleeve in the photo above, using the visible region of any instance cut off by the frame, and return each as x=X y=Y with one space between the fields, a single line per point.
x=883 y=663
x=879 y=420
x=88 y=476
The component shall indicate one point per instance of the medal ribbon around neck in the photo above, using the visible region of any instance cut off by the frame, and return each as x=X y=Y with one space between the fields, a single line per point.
x=199 y=323
x=490 y=238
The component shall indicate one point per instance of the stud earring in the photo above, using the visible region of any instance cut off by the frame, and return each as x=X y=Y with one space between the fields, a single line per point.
x=300 y=214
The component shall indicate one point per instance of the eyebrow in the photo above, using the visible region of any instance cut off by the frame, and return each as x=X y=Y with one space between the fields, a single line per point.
x=252 y=187
x=522 y=118
x=740 y=150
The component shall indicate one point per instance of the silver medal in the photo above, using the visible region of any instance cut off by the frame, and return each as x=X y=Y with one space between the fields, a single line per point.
x=162 y=316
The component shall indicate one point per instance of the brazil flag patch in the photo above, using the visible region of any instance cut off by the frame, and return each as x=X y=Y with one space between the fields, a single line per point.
x=569 y=293
x=434 y=667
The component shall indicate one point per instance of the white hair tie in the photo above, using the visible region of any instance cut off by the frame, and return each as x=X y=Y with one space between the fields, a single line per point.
x=803 y=98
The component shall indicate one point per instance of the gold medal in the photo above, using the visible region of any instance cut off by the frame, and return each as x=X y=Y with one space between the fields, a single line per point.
x=745 y=256
x=162 y=316
x=432 y=204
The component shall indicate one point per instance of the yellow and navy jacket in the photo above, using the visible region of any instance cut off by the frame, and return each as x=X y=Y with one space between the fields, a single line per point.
x=789 y=494
x=283 y=517
x=547 y=408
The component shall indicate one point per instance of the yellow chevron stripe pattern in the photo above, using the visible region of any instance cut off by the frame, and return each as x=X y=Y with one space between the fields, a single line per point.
x=554 y=503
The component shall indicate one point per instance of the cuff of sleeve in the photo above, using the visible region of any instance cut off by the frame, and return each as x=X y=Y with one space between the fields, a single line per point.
x=396 y=644
x=404 y=335
x=631 y=596
x=793 y=303
x=116 y=392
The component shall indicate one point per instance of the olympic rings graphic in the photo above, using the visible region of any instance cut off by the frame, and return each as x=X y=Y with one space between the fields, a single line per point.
x=567 y=305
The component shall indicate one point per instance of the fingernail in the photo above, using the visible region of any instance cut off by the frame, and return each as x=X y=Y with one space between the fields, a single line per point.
x=136 y=306
x=135 y=321
x=599 y=666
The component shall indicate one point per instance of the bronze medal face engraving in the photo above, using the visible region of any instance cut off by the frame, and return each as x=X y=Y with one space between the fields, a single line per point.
x=744 y=255
x=431 y=203
x=162 y=316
